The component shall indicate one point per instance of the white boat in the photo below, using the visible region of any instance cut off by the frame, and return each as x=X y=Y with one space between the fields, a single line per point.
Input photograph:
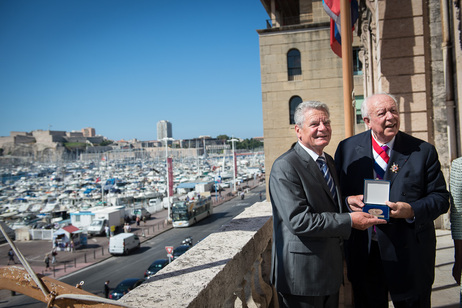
x=51 y=207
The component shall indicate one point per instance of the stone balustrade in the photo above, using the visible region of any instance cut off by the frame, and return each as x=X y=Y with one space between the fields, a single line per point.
x=229 y=268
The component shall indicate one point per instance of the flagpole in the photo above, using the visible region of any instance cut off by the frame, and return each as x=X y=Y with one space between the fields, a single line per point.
x=347 y=66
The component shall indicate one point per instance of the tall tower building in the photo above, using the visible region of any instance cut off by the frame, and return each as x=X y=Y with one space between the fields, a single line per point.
x=164 y=129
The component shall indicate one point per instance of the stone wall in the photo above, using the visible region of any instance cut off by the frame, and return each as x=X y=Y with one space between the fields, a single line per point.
x=48 y=137
x=229 y=268
x=74 y=134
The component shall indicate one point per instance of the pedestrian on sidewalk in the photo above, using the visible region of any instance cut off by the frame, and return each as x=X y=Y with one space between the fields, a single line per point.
x=137 y=221
x=54 y=253
x=106 y=289
x=47 y=262
x=11 y=257
x=106 y=230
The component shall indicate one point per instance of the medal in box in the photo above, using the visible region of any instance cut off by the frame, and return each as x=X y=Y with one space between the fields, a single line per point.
x=376 y=193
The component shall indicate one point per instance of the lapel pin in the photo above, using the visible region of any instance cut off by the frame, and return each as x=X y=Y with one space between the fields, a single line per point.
x=394 y=168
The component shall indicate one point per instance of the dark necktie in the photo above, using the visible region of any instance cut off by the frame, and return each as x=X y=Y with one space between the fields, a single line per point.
x=327 y=176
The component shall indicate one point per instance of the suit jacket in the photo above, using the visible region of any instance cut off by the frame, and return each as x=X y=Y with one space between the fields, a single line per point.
x=308 y=227
x=407 y=249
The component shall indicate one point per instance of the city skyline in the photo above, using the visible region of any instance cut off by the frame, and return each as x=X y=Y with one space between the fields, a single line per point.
x=120 y=67
x=91 y=132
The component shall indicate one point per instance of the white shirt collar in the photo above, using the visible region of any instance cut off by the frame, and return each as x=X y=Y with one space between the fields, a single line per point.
x=313 y=154
x=389 y=144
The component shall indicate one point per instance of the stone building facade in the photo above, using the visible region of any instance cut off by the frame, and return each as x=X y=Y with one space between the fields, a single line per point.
x=320 y=77
x=410 y=49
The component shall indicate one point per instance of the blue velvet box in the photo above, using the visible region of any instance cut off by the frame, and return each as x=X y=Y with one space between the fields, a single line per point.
x=376 y=193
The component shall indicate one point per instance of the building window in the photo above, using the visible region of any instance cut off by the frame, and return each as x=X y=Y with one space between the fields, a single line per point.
x=294 y=65
x=293 y=103
x=359 y=101
x=357 y=64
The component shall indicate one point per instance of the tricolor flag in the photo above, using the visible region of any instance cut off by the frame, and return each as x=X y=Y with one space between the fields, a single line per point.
x=332 y=8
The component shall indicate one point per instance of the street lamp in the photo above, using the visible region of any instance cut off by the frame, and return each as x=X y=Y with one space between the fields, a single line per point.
x=234 y=162
x=167 y=139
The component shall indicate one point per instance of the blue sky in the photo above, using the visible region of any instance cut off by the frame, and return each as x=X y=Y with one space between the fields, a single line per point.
x=121 y=66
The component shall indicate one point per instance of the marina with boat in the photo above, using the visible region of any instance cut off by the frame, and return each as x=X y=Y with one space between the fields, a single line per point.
x=54 y=196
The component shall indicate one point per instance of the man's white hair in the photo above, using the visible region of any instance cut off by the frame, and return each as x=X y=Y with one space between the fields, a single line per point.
x=299 y=115
x=365 y=108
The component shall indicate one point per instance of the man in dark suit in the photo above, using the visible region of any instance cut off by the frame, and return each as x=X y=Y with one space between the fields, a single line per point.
x=309 y=223
x=397 y=258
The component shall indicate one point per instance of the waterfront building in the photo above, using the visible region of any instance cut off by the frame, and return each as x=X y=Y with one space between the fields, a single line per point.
x=164 y=129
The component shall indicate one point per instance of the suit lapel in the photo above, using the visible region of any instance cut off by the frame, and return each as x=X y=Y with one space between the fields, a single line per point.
x=398 y=159
x=364 y=149
x=314 y=171
x=310 y=164
x=333 y=172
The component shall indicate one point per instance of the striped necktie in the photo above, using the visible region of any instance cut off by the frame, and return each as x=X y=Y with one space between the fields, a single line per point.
x=327 y=176
x=381 y=162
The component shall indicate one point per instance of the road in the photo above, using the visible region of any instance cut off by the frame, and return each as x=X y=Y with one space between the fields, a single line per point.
x=115 y=269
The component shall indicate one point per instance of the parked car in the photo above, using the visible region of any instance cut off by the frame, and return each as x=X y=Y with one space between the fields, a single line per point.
x=178 y=251
x=124 y=287
x=155 y=267
x=141 y=213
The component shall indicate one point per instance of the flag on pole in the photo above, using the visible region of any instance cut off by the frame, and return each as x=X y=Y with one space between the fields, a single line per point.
x=332 y=8
x=170 y=175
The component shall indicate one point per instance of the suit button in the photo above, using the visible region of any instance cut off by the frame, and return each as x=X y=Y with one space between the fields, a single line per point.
x=403 y=194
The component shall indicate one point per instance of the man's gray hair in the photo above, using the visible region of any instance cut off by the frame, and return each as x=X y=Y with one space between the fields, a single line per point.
x=299 y=115
x=365 y=108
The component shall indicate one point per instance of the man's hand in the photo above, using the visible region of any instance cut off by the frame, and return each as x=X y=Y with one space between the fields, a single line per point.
x=362 y=221
x=400 y=210
x=356 y=203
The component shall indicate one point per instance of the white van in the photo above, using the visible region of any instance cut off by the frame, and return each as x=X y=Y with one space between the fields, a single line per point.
x=123 y=243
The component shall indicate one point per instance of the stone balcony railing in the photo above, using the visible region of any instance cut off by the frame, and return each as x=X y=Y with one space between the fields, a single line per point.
x=229 y=268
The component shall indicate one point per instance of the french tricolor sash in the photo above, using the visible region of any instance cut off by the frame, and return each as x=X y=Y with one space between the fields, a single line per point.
x=381 y=158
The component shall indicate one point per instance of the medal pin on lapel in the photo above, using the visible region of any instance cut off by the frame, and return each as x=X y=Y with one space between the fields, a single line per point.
x=394 y=168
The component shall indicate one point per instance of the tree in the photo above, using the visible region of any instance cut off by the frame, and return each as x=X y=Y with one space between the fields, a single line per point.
x=248 y=144
x=223 y=137
x=106 y=142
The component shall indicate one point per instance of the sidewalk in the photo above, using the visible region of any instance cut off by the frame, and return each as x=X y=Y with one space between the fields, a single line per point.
x=446 y=292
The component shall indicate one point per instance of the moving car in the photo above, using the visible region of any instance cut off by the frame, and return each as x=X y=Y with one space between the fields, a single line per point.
x=124 y=287
x=123 y=243
x=155 y=267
